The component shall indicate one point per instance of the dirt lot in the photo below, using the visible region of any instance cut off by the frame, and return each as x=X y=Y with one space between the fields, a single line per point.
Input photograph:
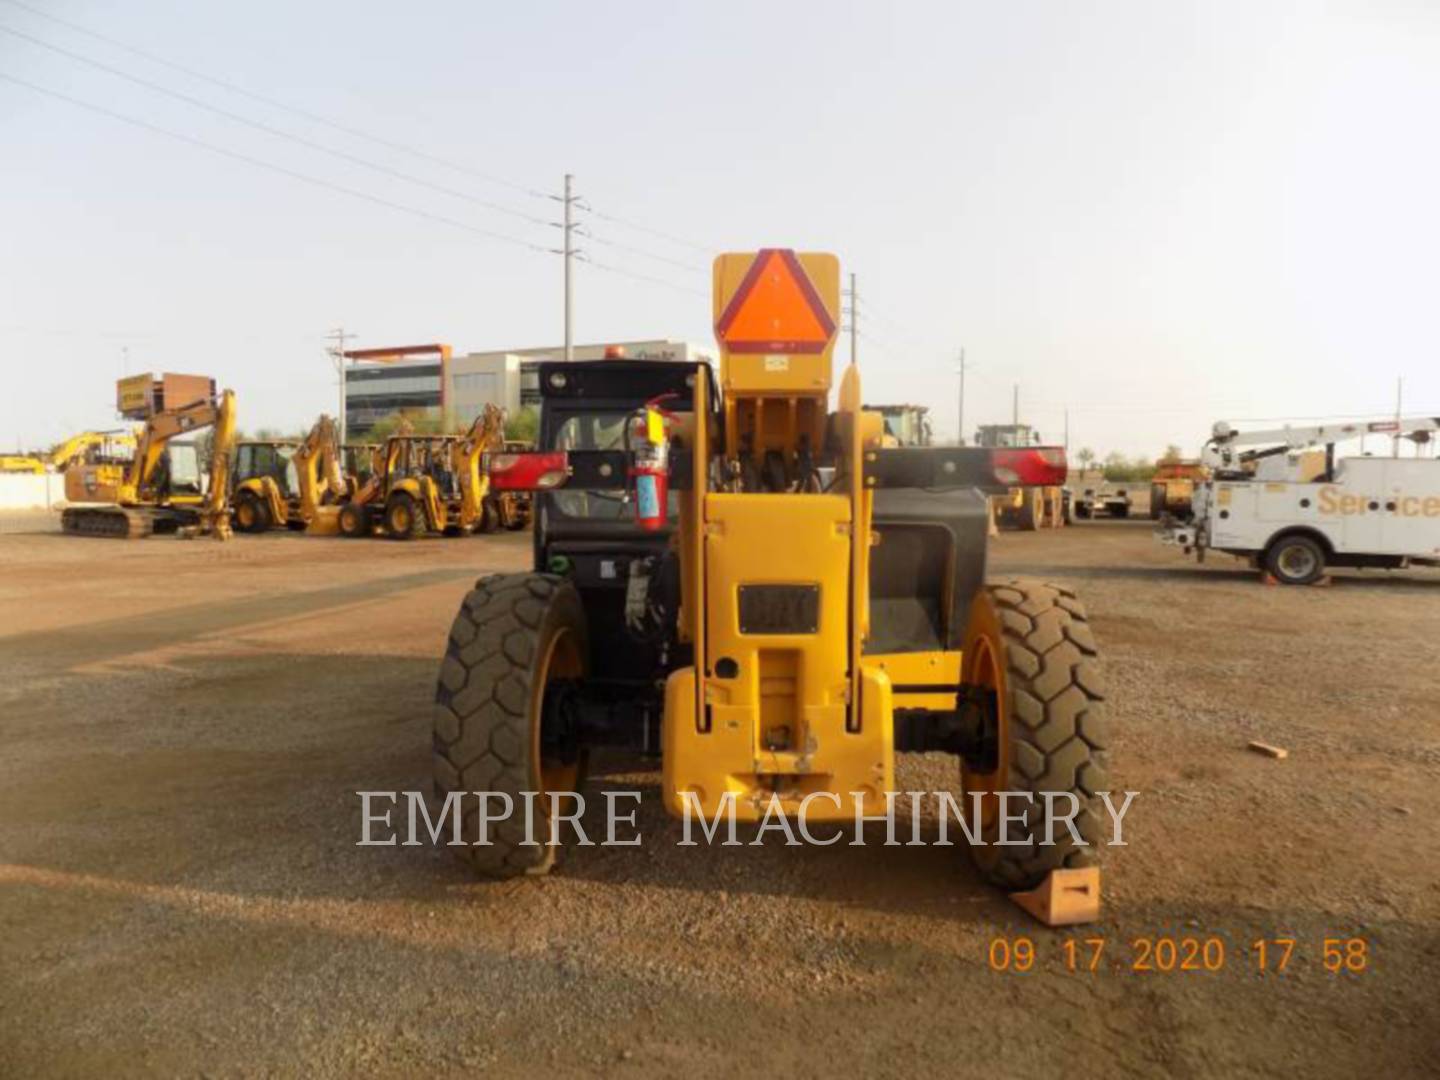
x=185 y=725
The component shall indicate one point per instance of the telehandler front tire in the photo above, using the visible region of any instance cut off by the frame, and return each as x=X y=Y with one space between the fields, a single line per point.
x=514 y=637
x=1031 y=644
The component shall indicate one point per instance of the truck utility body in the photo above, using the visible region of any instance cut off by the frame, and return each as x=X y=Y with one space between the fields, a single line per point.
x=1294 y=510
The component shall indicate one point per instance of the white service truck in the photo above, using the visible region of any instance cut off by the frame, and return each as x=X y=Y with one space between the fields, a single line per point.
x=1284 y=500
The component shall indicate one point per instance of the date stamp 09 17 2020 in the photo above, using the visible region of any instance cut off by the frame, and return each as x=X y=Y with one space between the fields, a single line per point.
x=1178 y=954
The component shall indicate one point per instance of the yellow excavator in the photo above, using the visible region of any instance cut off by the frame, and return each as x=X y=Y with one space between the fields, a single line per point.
x=163 y=489
x=96 y=447
x=283 y=482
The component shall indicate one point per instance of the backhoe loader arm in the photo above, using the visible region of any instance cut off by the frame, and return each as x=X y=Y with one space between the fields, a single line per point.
x=317 y=464
x=216 y=515
x=486 y=434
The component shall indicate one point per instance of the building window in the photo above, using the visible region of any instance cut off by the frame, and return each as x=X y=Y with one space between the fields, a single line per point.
x=477 y=384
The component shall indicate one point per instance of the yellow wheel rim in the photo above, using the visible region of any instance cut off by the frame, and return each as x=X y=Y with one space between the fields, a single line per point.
x=982 y=664
x=562 y=660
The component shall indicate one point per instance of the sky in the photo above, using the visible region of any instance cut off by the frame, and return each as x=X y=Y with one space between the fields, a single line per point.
x=1148 y=215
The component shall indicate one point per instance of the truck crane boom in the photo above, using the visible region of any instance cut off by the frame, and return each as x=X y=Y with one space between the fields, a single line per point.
x=1224 y=449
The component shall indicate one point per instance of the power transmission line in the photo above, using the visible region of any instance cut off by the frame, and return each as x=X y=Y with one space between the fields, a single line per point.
x=274 y=104
x=622 y=272
x=269 y=129
x=345 y=129
x=270 y=165
x=659 y=233
x=618 y=246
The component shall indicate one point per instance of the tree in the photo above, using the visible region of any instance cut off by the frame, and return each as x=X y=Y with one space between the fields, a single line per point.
x=1086 y=457
x=1120 y=469
x=421 y=423
x=524 y=426
x=1172 y=453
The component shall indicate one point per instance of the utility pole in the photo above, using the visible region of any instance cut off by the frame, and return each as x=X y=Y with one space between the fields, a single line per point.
x=1067 y=431
x=960 y=417
x=567 y=250
x=1015 y=407
x=1399 y=394
x=337 y=354
x=854 y=317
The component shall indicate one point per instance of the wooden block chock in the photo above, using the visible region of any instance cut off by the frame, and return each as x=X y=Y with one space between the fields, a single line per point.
x=1064 y=898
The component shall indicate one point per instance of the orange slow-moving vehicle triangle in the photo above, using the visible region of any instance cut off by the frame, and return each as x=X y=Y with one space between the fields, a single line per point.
x=776 y=309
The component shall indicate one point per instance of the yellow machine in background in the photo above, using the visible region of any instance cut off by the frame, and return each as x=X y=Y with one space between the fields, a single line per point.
x=278 y=482
x=163 y=489
x=1023 y=505
x=429 y=484
x=905 y=425
x=1172 y=488
x=107 y=451
x=812 y=601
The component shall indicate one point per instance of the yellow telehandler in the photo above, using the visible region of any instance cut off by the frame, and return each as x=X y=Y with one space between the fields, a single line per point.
x=772 y=597
x=163 y=489
x=289 y=483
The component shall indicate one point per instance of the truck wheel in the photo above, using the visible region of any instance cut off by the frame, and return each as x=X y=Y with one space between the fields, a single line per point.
x=251 y=514
x=1296 y=560
x=1120 y=512
x=1030 y=643
x=1157 y=501
x=403 y=520
x=354 y=520
x=516 y=636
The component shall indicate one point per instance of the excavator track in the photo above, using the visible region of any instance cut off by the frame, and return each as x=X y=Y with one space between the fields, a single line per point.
x=115 y=522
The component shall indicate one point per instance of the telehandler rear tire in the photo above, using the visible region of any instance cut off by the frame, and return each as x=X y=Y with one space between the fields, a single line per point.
x=403 y=519
x=1031 y=644
x=514 y=636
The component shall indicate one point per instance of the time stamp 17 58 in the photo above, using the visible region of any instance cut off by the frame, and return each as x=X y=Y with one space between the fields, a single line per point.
x=1180 y=954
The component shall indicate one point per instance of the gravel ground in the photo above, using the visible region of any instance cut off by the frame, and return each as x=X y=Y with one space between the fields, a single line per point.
x=186 y=724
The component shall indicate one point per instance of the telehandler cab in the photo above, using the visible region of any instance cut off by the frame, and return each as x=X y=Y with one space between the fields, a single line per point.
x=765 y=594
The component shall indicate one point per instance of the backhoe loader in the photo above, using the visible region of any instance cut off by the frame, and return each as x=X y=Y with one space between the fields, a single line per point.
x=289 y=483
x=769 y=595
x=162 y=489
x=433 y=483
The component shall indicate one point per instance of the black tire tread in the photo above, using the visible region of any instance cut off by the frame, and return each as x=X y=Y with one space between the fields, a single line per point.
x=482 y=739
x=1058 y=734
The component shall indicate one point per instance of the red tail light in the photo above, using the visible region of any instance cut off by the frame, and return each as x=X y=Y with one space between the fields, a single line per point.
x=528 y=472
x=1040 y=466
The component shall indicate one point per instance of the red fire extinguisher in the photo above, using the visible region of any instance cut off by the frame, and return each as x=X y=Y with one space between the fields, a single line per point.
x=648 y=436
